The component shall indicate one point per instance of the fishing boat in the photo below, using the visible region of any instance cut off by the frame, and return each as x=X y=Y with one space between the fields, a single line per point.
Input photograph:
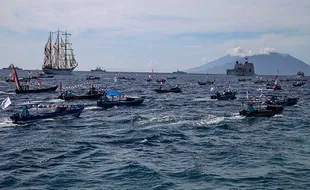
x=92 y=78
x=300 y=74
x=118 y=99
x=59 y=58
x=171 y=77
x=23 y=89
x=58 y=112
x=255 y=109
x=42 y=75
x=179 y=72
x=282 y=100
x=275 y=86
x=205 y=82
x=299 y=83
x=98 y=69
x=226 y=95
x=174 y=90
x=91 y=95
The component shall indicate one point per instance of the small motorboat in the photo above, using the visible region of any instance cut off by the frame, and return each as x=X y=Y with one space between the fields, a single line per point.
x=59 y=112
x=280 y=100
x=92 y=94
x=226 y=95
x=255 y=109
x=174 y=90
x=92 y=78
x=171 y=77
x=258 y=113
x=205 y=82
x=118 y=99
x=244 y=79
x=299 y=83
x=24 y=89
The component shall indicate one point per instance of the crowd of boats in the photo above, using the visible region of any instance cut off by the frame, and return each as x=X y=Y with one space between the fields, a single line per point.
x=265 y=105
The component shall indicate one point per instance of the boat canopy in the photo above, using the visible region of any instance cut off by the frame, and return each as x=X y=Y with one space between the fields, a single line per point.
x=114 y=93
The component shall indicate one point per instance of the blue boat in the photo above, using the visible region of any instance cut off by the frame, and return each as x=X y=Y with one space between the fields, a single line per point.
x=60 y=112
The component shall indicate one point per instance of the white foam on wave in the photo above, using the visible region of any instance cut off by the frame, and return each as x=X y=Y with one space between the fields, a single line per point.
x=91 y=108
x=6 y=122
x=236 y=116
x=144 y=141
x=2 y=92
x=211 y=121
x=278 y=115
x=203 y=99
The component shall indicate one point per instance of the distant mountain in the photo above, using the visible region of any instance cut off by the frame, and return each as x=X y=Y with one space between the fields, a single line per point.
x=264 y=64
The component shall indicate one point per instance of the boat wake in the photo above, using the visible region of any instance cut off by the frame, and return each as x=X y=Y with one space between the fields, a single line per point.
x=6 y=122
x=203 y=99
x=3 y=92
x=211 y=121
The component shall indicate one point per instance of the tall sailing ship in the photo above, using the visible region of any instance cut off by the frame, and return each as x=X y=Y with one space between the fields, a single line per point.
x=59 y=58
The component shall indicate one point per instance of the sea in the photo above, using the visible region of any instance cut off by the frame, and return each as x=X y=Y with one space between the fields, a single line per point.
x=172 y=141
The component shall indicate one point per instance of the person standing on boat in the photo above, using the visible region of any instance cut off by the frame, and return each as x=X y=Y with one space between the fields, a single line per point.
x=250 y=108
x=25 y=112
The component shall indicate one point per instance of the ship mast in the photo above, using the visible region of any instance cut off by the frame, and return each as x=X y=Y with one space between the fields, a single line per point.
x=50 y=48
x=66 y=34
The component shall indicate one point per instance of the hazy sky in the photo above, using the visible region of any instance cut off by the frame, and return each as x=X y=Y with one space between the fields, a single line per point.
x=167 y=35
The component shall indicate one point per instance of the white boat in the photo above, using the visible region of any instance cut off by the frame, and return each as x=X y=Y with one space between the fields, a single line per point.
x=59 y=58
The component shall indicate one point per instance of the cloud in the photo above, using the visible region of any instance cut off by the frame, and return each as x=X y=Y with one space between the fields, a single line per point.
x=238 y=51
x=179 y=34
x=204 y=59
x=137 y=17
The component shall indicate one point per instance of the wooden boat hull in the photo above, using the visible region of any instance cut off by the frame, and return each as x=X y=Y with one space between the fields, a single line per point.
x=75 y=112
x=40 y=90
x=258 y=113
x=134 y=102
x=224 y=97
x=174 y=90
x=83 y=97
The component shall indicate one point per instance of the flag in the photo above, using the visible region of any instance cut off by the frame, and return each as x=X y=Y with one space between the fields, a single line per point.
x=60 y=86
x=15 y=77
x=247 y=95
x=5 y=103
x=211 y=89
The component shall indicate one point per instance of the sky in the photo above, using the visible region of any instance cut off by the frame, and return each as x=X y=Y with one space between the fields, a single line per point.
x=164 y=35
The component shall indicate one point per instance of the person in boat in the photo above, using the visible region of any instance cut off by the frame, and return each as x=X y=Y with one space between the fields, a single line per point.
x=105 y=98
x=217 y=93
x=24 y=113
x=160 y=87
x=250 y=108
x=69 y=93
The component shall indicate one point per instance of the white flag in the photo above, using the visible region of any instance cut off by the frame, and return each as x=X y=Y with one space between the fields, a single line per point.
x=6 y=103
x=247 y=95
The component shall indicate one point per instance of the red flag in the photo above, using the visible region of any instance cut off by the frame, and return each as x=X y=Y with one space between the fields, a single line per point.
x=60 y=86
x=15 y=77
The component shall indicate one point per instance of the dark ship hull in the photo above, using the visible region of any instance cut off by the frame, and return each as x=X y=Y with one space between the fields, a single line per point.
x=51 y=71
